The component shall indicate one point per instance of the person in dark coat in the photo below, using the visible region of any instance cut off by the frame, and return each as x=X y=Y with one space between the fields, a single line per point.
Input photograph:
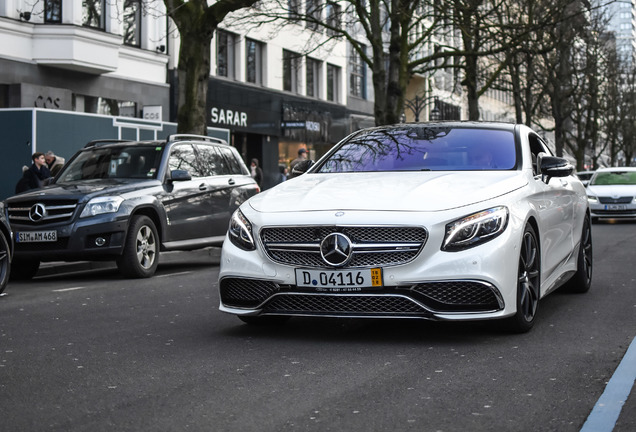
x=33 y=177
x=256 y=172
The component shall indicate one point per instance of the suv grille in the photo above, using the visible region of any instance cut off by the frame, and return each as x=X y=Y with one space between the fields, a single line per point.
x=50 y=211
x=371 y=245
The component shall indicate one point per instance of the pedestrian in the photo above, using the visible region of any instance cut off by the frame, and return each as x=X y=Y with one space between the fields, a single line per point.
x=283 y=173
x=55 y=163
x=33 y=177
x=256 y=171
x=302 y=155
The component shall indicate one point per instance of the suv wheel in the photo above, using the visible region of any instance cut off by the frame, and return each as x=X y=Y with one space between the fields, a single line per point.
x=5 y=262
x=141 y=250
x=24 y=269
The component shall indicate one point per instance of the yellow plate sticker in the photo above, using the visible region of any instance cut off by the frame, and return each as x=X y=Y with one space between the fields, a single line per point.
x=376 y=277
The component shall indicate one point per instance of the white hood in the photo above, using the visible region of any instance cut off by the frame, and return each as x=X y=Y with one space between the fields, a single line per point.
x=398 y=191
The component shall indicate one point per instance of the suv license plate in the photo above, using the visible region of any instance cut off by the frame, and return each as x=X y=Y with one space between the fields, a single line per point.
x=362 y=278
x=36 y=236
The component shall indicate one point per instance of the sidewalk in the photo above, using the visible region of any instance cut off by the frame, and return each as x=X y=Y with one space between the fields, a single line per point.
x=213 y=254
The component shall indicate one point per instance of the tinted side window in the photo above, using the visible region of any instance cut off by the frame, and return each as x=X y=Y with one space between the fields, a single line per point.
x=210 y=161
x=182 y=157
x=233 y=164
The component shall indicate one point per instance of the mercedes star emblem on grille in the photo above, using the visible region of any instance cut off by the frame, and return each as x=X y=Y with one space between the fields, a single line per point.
x=336 y=249
x=37 y=212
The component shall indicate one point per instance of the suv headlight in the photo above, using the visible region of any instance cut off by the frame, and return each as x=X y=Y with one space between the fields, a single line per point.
x=102 y=205
x=240 y=232
x=475 y=229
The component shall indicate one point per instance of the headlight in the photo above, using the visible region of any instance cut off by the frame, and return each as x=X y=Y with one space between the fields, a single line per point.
x=475 y=229
x=592 y=198
x=102 y=205
x=240 y=232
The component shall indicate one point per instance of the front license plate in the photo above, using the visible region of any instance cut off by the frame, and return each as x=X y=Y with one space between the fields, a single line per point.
x=615 y=207
x=339 y=280
x=36 y=236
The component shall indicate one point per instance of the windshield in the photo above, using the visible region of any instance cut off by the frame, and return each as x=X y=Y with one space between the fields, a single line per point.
x=615 y=178
x=138 y=162
x=418 y=148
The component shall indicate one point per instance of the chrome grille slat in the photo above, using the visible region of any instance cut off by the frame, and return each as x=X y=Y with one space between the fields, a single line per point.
x=343 y=304
x=371 y=245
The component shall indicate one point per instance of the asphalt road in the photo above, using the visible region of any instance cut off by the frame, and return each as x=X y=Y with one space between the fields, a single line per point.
x=89 y=351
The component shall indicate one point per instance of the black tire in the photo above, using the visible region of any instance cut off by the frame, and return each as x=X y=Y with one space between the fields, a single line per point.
x=582 y=280
x=141 y=249
x=264 y=320
x=528 y=283
x=24 y=269
x=5 y=262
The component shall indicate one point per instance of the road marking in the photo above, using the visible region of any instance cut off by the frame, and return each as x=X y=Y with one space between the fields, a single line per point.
x=69 y=289
x=173 y=274
x=608 y=408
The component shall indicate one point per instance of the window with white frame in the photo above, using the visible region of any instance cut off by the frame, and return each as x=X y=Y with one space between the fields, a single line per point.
x=226 y=53
x=312 y=78
x=253 y=61
x=314 y=13
x=93 y=13
x=293 y=8
x=333 y=83
x=333 y=12
x=357 y=74
x=291 y=66
x=132 y=22
x=52 y=11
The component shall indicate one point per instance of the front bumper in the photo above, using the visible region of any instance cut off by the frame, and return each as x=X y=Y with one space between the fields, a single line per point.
x=617 y=211
x=100 y=237
x=477 y=283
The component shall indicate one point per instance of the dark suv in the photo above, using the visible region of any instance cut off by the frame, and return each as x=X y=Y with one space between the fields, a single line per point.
x=127 y=201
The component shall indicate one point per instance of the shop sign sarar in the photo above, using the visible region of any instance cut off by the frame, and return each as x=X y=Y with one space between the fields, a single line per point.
x=228 y=117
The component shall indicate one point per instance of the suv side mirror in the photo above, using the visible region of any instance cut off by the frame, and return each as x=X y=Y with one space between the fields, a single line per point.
x=553 y=166
x=301 y=168
x=180 y=175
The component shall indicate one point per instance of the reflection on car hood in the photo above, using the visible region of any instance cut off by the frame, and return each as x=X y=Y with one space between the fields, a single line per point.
x=88 y=188
x=611 y=190
x=405 y=191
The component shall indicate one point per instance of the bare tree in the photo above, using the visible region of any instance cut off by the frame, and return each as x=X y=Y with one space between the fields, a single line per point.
x=196 y=21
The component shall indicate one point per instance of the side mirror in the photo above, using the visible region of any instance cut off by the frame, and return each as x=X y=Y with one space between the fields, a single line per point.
x=301 y=168
x=179 y=175
x=553 y=166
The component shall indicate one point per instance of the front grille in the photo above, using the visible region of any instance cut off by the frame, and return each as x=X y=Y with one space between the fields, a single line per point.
x=349 y=305
x=458 y=296
x=372 y=245
x=614 y=212
x=620 y=200
x=54 y=211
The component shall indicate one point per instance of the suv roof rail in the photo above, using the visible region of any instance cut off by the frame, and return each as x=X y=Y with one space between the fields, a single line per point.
x=180 y=137
x=99 y=142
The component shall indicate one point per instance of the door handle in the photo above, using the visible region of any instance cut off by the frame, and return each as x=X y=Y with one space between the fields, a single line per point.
x=231 y=182
x=203 y=187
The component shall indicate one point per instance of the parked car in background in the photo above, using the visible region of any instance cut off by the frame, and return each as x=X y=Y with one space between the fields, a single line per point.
x=6 y=249
x=585 y=176
x=441 y=221
x=128 y=201
x=612 y=193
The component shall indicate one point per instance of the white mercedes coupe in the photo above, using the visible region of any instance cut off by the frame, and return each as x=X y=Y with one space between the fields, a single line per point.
x=440 y=221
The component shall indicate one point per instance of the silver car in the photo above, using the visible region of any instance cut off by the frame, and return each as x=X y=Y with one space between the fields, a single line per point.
x=612 y=193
